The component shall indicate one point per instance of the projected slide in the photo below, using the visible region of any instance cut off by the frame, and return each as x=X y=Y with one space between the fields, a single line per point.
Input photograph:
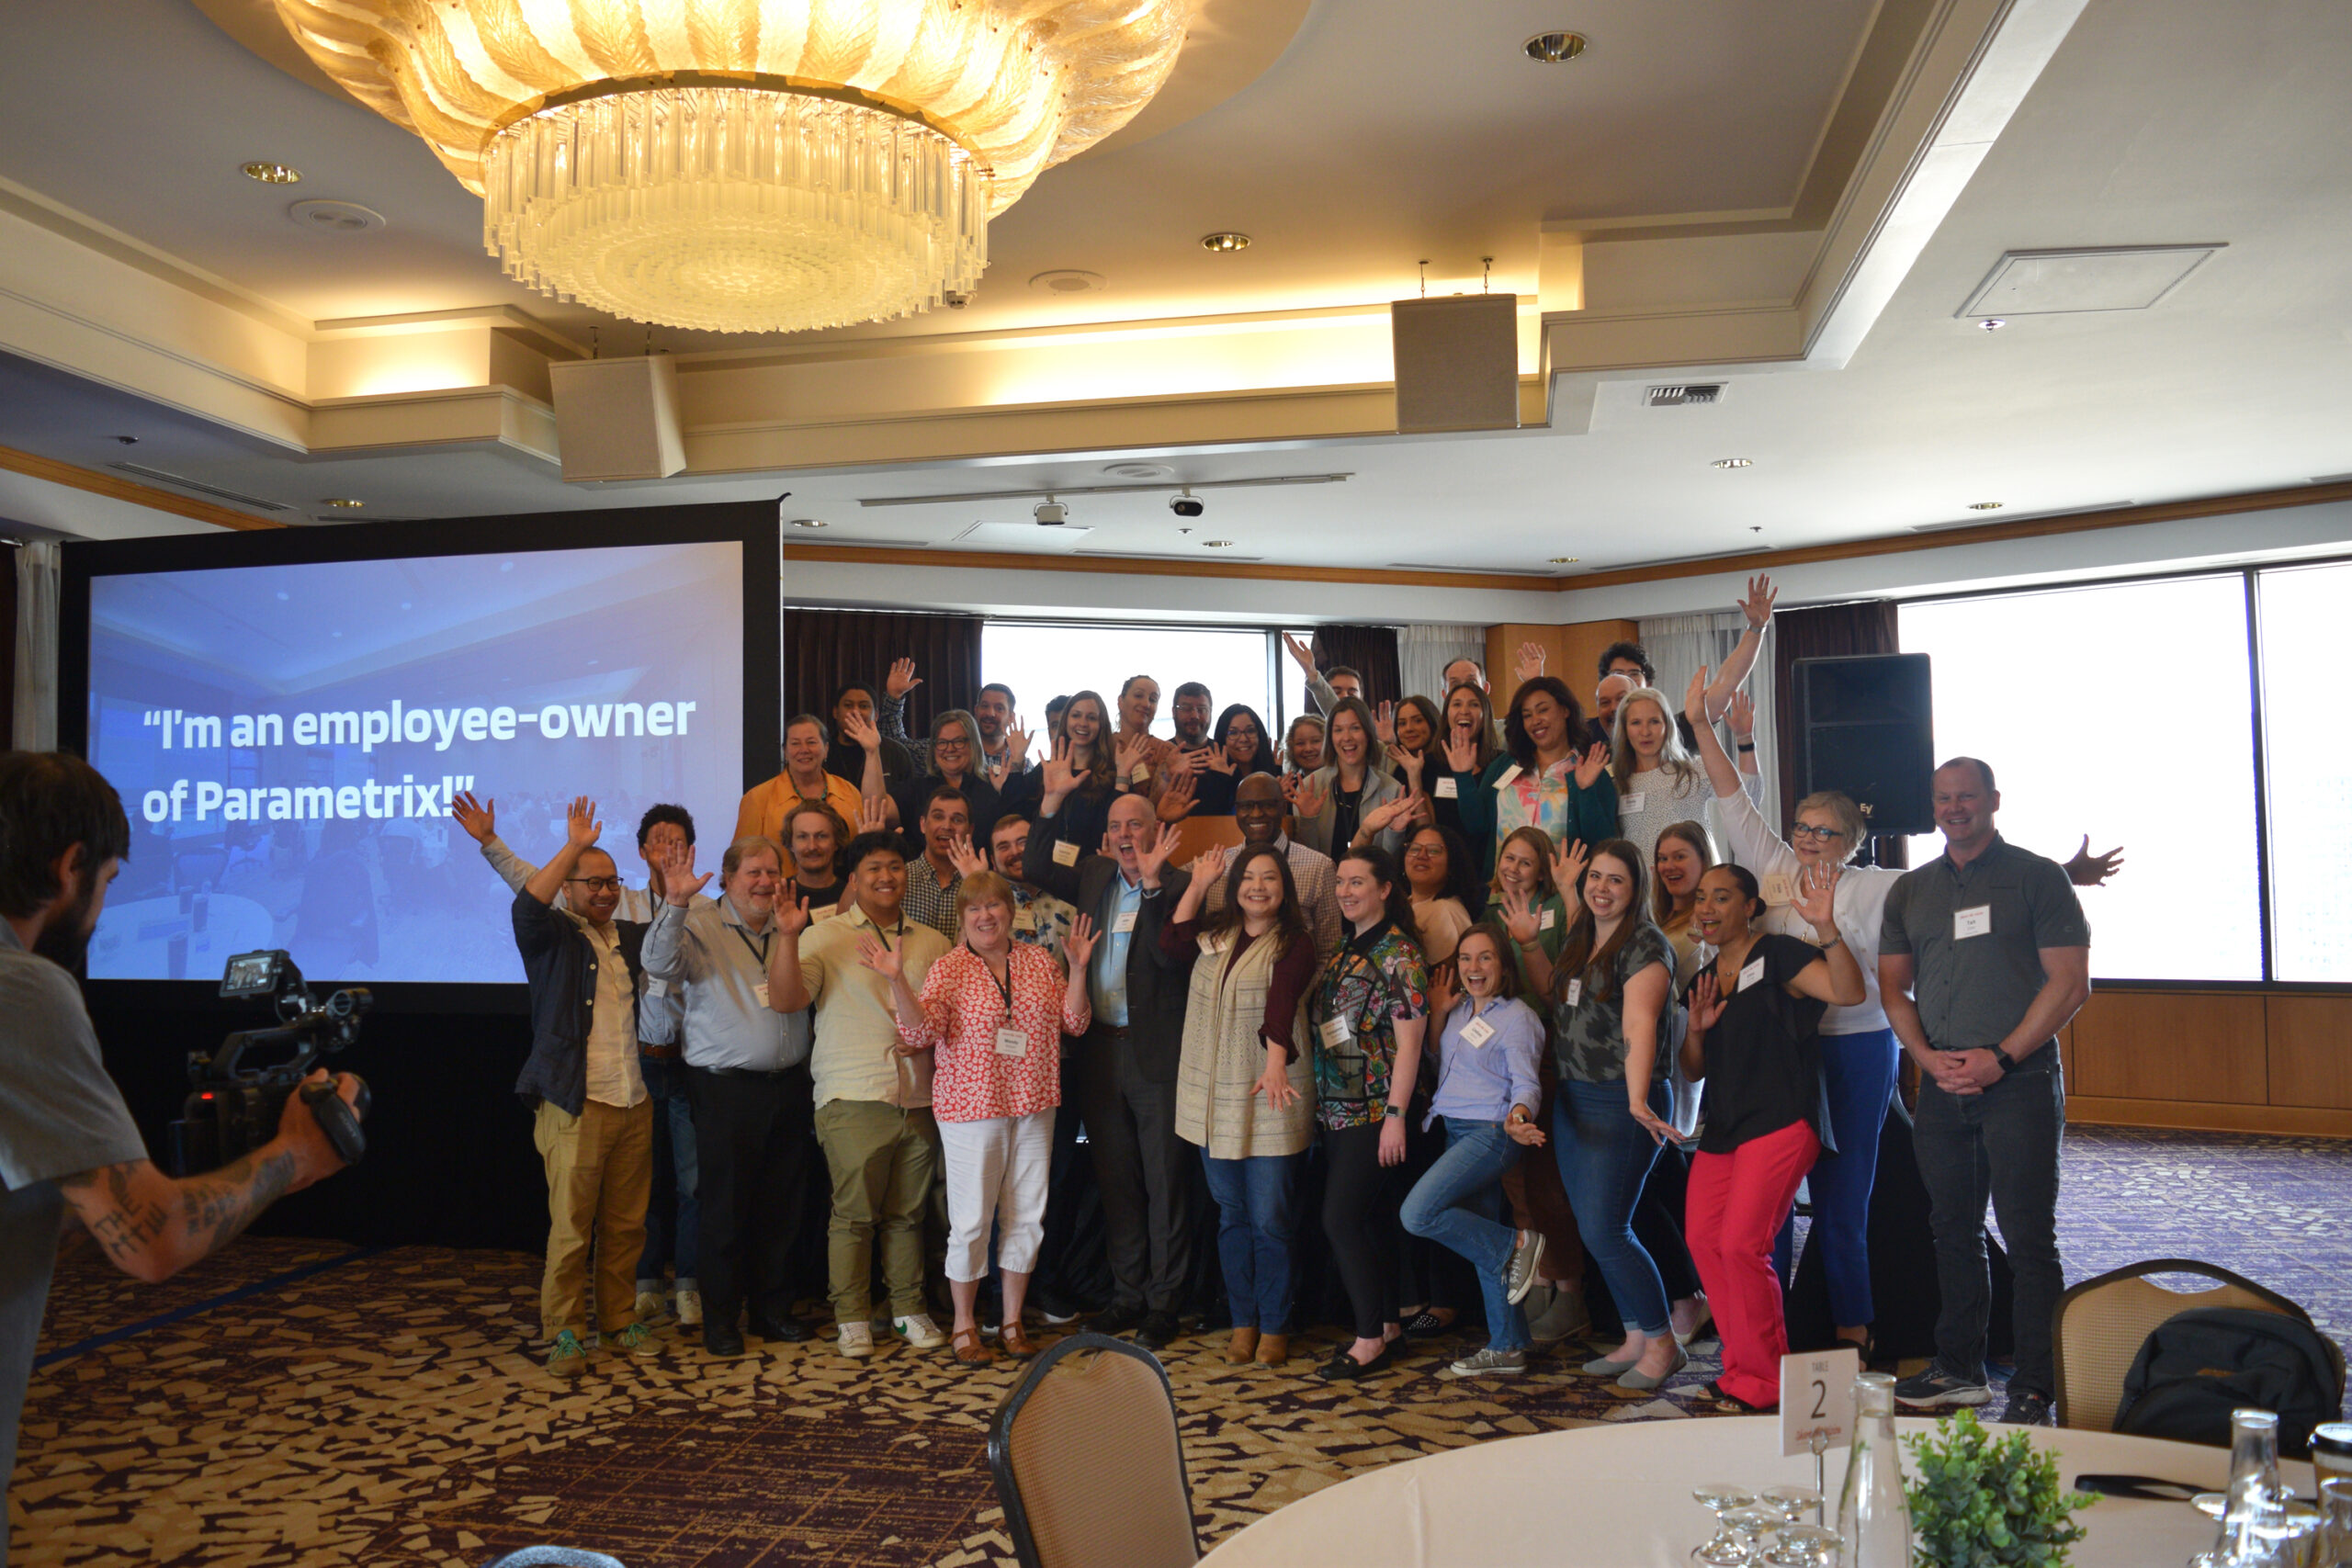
x=287 y=740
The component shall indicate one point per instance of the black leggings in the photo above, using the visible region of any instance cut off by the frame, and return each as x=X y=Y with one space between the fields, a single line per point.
x=1360 y=1199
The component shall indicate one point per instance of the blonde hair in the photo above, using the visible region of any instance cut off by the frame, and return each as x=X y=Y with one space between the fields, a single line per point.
x=981 y=887
x=1674 y=760
x=1839 y=805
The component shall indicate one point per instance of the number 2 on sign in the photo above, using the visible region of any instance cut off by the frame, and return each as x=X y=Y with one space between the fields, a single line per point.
x=1817 y=1400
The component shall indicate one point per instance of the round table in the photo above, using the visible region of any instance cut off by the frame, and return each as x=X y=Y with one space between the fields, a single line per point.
x=1619 y=1495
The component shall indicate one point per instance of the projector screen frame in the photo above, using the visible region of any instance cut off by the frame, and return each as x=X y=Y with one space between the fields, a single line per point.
x=751 y=524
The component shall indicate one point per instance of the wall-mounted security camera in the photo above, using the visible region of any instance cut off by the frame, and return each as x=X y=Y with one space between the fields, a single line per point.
x=1187 y=504
x=1052 y=513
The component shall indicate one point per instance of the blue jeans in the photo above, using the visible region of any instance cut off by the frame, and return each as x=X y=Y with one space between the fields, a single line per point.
x=673 y=1231
x=1257 y=1202
x=1455 y=1205
x=1858 y=1070
x=1605 y=1156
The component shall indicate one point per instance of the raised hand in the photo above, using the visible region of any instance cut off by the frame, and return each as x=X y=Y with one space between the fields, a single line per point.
x=2085 y=870
x=862 y=730
x=1743 y=722
x=581 y=827
x=964 y=858
x=1307 y=800
x=1568 y=872
x=479 y=817
x=1176 y=802
x=1152 y=859
x=1815 y=899
x=1706 y=1004
x=1302 y=653
x=1595 y=763
x=1462 y=749
x=1061 y=777
x=1528 y=664
x=1208 y=866
x=1694 y=701
x=881 y=957
x=1385 y=814
x=902 y=679
x=1408 y=762
x=1188 y=765
x=791 y=910
x=1761 y=597
x=1129 y=754
x=1444 y=994
x=1217 y=759
x=679 y=883
x=1079 y=946
x=1016 y=751
x=872 y=815
x=1384 y=723
x=1520 y=916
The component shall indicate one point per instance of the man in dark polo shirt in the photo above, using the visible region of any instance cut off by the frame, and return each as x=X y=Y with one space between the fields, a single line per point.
x=1983 y=958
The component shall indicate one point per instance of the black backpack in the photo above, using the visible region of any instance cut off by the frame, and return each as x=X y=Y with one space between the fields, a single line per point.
x=2193 y=1369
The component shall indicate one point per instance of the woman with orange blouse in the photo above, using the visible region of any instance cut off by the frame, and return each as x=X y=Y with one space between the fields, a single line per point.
x=993 y=1012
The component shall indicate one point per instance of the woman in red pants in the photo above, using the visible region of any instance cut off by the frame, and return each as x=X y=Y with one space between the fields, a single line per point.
x=1754 y=1015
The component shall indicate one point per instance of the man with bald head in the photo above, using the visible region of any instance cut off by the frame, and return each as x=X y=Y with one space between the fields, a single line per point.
x=1259 y=806
x=1127 y=1063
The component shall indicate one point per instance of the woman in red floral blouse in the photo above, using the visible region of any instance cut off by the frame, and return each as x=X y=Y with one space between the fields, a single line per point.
x=993 y=1011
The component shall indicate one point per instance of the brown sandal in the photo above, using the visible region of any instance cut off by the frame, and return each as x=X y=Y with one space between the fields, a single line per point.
x=1016 y=1341
x=970 y=1348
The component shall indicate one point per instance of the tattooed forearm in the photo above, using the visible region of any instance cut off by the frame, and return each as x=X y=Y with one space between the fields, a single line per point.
x=152 y=1226
x=215 y=1207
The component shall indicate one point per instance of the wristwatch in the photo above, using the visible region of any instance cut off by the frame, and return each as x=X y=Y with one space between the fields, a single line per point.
x=2000 y=1060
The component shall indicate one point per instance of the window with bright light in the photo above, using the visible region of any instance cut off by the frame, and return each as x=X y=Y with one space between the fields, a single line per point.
x=1041 y=662
x=2308 y=769
x=2124 y=711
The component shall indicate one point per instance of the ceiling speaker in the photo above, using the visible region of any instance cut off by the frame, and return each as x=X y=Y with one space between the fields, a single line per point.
x=618 y=419
x=1457 y=363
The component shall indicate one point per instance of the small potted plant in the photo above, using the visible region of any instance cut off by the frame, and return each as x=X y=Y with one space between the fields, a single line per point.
x=1977 y=1501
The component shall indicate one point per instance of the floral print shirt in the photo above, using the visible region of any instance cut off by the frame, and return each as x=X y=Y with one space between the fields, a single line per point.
x=1376 y=980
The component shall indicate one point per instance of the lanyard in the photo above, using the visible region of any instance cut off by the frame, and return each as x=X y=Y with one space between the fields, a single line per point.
x=758 y=952
x=1004 y=985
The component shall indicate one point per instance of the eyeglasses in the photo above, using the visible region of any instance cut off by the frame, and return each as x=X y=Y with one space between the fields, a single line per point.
x=1807 y=831
x=597 y=883
x=954 y=741
x=1424 y=851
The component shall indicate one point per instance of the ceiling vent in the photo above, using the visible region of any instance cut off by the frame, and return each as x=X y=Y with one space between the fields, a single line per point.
x=213 y=490
x=1684 y=395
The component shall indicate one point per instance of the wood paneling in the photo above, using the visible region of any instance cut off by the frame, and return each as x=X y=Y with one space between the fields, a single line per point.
x=2311 y=1051
x=1569 y=651
x=2172 y=1045
x=2279 y=1121
x=118 y=489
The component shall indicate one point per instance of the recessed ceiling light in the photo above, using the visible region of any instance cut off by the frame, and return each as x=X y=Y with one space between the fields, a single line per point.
x=334 y=217
x=1066 y=280
x=1138 y=470
x=1555 y=49
x=342 y=503
x=1985 y=505
x=809 y=523
x=1227 y=241
x=1217 y=544
x=1564 y=560
x=1735 y=462
x=272 y=173
x=1992 y=323
x=128 y=440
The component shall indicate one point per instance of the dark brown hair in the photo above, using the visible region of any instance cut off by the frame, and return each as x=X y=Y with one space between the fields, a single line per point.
x=1290 y=921
x=1577 y=954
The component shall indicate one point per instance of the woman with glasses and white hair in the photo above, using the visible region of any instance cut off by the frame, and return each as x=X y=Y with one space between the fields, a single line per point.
x=1858 y=1052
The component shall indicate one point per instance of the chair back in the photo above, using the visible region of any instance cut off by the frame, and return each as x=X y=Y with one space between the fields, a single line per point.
x=1088 y=1462
x=2100 y=1324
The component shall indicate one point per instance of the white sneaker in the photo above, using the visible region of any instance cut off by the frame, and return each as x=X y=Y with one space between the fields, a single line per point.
x=919 y=1331
x=857 y=1340
x=690 y=1309
x=652 y=1308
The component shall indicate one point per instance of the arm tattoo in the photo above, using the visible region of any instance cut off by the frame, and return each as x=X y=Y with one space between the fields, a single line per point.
x=213 y=1209
x=218 y=1206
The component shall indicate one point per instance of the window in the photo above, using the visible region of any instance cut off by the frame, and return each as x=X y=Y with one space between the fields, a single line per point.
x=2308 y=771
x=2123 y=712
x=1041 y=660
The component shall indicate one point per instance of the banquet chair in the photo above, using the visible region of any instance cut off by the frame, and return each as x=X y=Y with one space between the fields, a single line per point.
x=2098 y=1326
x=1088 y=1462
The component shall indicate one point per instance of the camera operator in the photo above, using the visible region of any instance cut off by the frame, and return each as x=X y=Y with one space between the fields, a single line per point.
x=71 y=1159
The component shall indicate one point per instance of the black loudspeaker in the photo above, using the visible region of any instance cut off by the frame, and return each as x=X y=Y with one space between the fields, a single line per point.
x=1866 y=725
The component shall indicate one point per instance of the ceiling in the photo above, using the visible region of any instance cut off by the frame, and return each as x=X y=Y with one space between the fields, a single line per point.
x=1378 y=135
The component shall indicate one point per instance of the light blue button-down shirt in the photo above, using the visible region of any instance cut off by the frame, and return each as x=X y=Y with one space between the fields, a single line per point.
x=1109 y=981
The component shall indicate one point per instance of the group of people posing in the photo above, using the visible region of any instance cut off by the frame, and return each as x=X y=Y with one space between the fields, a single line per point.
x=1519 y=991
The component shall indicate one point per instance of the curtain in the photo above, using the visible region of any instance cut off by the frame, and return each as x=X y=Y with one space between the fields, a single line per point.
x=824 y=648
x=1827 y=631
x=1370 y=652
x=1423 y=652
x=33 y=716
x=1680 y=645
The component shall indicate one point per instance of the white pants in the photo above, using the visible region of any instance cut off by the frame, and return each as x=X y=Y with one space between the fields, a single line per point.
x=996 y=1171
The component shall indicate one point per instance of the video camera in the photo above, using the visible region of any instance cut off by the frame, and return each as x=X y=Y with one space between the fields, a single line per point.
x=235 y=1107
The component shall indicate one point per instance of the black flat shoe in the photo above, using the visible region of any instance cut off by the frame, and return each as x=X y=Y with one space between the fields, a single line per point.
x=1118 y=1320
x=1428 y=1326
x=1344 y=1368
x=790 y=1330
x=722 y=1342
x=1156 y=1330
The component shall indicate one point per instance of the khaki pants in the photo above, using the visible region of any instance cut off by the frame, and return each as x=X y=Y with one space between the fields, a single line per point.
x=884 y=1162
x=600 y=1177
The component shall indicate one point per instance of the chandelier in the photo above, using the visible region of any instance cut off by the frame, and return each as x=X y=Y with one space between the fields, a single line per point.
x=747 y=165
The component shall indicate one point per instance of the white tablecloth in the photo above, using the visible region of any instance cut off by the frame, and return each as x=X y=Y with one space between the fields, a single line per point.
x=1619 y=1495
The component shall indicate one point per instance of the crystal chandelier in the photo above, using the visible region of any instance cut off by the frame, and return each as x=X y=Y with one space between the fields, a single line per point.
x=747 y=165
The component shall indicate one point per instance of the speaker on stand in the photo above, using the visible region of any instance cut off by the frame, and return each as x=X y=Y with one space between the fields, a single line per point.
x=1865 y=725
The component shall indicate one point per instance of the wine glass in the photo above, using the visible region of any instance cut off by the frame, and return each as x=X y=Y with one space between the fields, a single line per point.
x=1725 y=1550
x=1788 y=1501
x=1803 y=1546
x=1750 y=1524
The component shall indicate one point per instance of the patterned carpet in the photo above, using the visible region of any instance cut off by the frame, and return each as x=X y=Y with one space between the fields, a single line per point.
x=351 y=1406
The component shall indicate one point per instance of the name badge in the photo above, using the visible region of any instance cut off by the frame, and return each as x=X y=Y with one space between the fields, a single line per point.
x=654 y=987
x=760 y=992
x=1448 y=788
x=1139 y=773
x=1065 y=852
x=1335 y=1032
x=1633 y=802
x=1551 y=917
x=1966 y=924
x=1125 y=922
x=1779 y=890
x=1576 y=992
x=1013 y=1042
x=1477 y=1031
x=1751 y=976
x=1023 y=921
x=1503 y=779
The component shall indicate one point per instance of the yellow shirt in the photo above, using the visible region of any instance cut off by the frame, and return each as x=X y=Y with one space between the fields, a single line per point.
x=856 y=1051
x=766 y=805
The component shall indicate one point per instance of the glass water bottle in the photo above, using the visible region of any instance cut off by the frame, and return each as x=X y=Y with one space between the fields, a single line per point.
x=1874 y=1518
x=2252 y=1515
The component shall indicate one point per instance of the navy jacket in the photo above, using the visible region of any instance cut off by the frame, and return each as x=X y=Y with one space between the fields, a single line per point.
x=560 y=964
